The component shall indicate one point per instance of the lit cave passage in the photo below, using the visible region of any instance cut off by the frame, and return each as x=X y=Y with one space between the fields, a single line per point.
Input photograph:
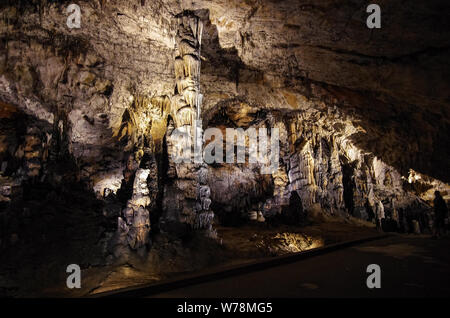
x=89 y=121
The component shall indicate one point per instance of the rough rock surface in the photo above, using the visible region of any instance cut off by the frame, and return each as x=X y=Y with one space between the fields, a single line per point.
x=363 y=114
x=189 y=182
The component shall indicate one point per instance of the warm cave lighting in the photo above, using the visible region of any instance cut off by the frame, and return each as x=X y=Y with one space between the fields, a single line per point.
x=209 y=151
x=413 y=176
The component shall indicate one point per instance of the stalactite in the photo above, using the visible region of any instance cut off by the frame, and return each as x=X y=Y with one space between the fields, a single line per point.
x=185 y=84
x=191 y=98
x=191 y=66
x=179 y=68
x=162 y=103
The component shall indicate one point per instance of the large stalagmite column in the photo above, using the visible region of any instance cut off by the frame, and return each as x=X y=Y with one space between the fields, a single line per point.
x=191 y=174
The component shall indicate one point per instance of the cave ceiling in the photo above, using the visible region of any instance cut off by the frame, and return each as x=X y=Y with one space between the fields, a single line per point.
x=286 y=56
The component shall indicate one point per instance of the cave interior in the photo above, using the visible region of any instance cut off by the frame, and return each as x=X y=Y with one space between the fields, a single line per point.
x=89 y=118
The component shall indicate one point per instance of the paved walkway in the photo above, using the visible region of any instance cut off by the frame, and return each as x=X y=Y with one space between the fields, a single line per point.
x=411 y=266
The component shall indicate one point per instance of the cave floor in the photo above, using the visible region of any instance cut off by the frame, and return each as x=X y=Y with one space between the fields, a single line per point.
x=237 y=245
x=259 y=240
x=410 y=266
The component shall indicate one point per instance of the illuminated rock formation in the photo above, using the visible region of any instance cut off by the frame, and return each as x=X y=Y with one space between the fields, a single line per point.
x=189 y=189
x=135 y=220
x=363 y=114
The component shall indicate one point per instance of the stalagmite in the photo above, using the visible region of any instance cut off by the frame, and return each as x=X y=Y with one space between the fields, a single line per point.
x=135 y=219
x=186 y=111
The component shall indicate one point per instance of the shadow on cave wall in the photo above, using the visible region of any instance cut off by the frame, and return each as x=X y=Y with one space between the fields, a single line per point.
x=217 y=59
x=47 y=216
x=404 y=136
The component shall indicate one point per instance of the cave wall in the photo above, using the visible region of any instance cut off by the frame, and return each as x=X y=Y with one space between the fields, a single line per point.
x=363 y=114
x=318 y=161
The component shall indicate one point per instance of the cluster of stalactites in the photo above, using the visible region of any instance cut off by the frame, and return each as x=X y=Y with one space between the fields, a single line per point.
x=187 y=101
x=160 y=105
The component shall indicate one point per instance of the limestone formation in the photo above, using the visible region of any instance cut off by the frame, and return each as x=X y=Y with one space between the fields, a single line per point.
x=135 y=219
x=91 y=120
x=194 y=208
x=362 y=115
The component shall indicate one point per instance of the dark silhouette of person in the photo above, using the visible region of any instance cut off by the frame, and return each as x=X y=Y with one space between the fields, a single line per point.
x=294 y=213
x=440 y=213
